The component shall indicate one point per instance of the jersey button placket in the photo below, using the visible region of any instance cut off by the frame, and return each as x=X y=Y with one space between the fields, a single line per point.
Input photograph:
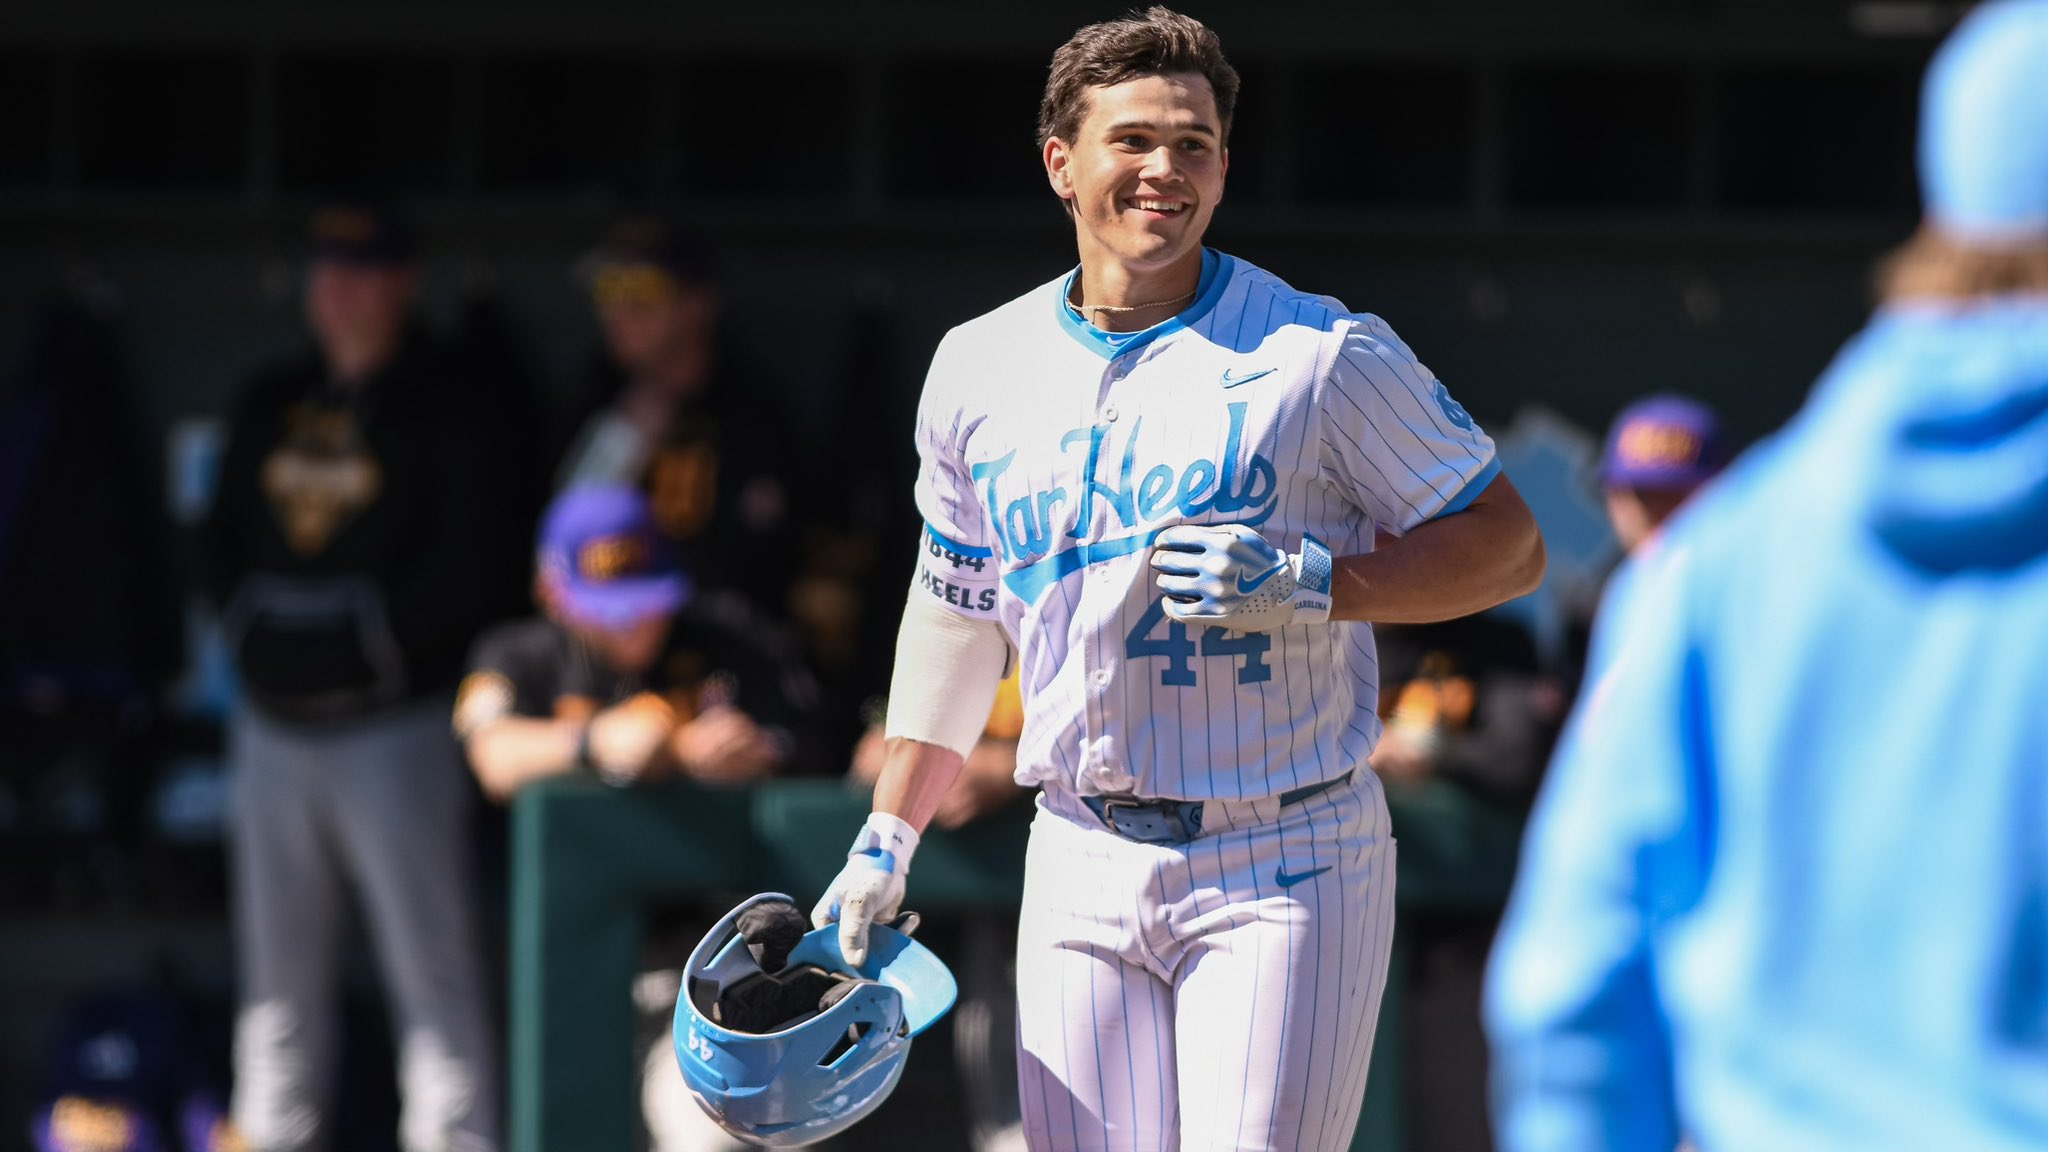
x=1106 y=413
x=1095 y=726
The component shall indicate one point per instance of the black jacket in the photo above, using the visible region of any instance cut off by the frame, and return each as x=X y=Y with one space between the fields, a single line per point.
x=361 y=538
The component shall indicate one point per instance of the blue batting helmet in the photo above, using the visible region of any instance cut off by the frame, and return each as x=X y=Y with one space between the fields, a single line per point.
x=781 y=1041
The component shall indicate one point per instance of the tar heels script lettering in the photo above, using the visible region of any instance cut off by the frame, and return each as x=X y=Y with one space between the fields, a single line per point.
x=1031 y=525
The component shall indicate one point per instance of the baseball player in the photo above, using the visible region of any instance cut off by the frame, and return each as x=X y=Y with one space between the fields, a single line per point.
x=1159 y=476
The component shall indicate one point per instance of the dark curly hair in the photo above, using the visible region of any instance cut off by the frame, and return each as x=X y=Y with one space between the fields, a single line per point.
x=1155 y=42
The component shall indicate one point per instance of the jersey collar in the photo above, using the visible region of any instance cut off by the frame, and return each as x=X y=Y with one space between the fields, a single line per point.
x=1216 y=271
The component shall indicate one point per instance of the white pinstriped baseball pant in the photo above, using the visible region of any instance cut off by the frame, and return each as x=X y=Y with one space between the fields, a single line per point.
x=1220 y=993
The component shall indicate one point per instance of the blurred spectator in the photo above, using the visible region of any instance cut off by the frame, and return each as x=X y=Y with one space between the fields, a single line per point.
x=139 y=1070
x=673 y=411
x=1787 y=886
x=360 y=512
x=85 y=624
x=633 y=674
x=1659 y=451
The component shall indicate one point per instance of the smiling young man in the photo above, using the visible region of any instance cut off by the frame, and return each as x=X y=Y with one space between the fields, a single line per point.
x=1159 y=478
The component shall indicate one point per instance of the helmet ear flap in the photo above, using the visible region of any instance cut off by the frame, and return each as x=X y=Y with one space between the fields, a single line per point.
x=876 y=1011
x=730 y=962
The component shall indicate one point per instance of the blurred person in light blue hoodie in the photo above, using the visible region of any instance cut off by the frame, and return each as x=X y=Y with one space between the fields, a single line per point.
x=1787 y=885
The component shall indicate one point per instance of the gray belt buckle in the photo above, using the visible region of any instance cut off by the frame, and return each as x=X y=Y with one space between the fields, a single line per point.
x=1146 y=822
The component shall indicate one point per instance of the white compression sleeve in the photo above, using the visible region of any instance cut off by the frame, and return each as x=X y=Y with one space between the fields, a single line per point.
x=947 y=670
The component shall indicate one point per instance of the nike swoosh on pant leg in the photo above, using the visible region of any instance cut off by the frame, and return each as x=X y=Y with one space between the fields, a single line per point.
x=1284 y=880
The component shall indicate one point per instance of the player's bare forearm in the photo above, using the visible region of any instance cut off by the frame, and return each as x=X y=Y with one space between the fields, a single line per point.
x=915 y=779
x=1450 y=567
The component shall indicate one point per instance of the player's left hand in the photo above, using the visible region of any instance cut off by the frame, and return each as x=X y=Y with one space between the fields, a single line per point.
x=1228 y=576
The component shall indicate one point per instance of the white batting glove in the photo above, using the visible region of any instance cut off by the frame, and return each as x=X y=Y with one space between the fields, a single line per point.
x=1228 y=576
x=870 y=887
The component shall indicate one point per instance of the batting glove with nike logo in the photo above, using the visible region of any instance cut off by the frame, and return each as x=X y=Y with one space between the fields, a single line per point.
x=870 y=887
x=1228 y=576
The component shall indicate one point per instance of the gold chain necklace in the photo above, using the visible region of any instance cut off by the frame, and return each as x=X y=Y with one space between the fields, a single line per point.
x=1083 y=309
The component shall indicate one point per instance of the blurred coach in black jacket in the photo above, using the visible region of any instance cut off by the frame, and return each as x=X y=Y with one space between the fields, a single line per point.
x=359 y=541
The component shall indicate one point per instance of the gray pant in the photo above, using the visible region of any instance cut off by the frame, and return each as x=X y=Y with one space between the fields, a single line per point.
x=380 y=807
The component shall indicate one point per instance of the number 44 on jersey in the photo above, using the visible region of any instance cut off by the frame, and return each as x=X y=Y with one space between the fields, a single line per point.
x=1178 y=647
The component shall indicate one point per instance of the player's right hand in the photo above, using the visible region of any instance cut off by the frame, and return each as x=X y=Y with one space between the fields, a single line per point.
x=870 y=887
x=1229 y=576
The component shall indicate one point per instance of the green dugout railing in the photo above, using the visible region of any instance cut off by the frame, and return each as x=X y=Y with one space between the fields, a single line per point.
x=588 y=860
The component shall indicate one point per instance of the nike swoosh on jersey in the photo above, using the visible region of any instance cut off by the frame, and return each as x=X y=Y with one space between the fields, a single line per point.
x=1286 y=880
x=1228 y=382
x=1249 y=588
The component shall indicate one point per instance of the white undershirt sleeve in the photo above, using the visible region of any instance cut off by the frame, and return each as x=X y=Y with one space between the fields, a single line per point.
x=948 y=667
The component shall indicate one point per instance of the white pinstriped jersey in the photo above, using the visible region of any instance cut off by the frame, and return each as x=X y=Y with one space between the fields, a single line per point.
x=1052 y=454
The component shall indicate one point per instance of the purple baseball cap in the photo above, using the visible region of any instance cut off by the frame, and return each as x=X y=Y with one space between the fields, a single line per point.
x=1663 y=442
x=604 y=555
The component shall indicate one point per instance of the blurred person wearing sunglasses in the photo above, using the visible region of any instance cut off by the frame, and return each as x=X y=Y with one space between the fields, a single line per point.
x=671 y=409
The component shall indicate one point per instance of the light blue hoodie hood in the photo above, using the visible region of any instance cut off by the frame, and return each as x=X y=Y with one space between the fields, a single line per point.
x=1959 y=479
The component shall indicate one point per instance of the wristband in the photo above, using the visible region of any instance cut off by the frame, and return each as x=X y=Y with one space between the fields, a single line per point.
x=1312 y=573
x=887 y=839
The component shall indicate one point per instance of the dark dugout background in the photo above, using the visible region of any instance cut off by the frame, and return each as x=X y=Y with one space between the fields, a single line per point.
x=1576 y=202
